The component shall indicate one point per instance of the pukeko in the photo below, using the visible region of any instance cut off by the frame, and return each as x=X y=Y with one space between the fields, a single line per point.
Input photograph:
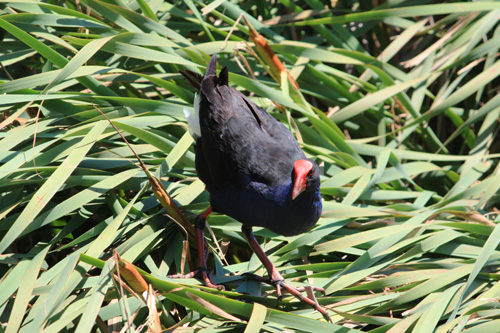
x=253 y=168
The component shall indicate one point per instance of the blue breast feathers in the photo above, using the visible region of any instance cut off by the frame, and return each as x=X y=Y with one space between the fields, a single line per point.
x=271 y=207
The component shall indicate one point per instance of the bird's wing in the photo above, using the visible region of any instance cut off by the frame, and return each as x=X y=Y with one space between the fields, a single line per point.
x=241 y=141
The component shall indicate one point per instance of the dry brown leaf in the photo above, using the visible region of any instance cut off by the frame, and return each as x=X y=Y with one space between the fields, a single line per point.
x=212 y=308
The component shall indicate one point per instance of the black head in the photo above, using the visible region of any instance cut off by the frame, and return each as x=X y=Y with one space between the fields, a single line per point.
x=305 y=177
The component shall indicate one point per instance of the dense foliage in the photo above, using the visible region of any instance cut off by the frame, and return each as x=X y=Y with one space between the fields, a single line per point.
x=398 y=102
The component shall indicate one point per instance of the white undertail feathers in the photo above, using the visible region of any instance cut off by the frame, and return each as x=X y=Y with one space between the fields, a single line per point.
x=193 y=118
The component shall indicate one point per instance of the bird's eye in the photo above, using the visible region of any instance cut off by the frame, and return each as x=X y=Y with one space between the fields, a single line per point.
x=310 y=173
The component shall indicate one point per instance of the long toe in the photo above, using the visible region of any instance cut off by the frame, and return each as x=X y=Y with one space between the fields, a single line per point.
x=200 y=273
x=319 y=289
x=314 y=303
x=279 y=283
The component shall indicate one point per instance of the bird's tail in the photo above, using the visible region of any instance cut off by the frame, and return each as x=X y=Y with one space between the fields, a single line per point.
x=223 y=79
x=212 y=66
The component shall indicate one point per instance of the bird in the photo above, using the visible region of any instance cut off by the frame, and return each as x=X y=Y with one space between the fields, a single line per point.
x=253 y=168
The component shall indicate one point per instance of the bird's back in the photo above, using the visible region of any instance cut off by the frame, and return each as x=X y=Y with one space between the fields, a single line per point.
x=245 y=157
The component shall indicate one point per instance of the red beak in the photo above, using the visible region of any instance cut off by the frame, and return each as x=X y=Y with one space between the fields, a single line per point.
x=300 y=168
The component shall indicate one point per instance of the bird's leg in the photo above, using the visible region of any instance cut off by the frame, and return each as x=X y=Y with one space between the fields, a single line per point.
x=201 y=271
x=275 y=278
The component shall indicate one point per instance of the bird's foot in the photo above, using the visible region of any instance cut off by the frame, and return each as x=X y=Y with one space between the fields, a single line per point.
x=200 y=273
x=281 y=284
x=277 y=280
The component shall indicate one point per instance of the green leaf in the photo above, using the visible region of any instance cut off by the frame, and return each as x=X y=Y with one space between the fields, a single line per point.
x=42 y=197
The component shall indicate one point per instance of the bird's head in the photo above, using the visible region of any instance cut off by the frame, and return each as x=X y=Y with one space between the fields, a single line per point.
x=305 y=177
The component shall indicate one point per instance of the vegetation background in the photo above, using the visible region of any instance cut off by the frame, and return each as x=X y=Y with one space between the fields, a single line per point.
x=398 y=101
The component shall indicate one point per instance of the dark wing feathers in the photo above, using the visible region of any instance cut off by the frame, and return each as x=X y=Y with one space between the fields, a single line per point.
x=245 y=138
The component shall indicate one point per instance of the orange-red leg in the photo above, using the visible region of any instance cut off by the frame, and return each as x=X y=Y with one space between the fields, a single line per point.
x=275 y=278
x=201 y=272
